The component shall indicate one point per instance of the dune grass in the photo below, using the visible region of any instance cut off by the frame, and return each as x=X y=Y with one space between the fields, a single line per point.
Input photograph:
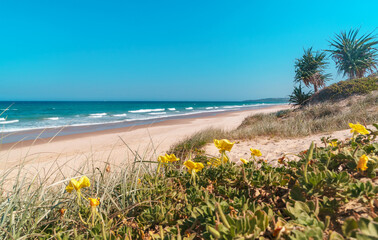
x=325 y=195
x=147 y=199
x=312 y=119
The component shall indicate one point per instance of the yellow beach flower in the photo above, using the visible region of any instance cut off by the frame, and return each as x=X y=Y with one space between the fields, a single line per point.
x=78 y=185
x=333 y=143
x=172 y=158
x=94 y=202
x=255 y=152
x=193 y=166
x=358 y=128
x=244 y=161
x=223 y=145
x=362 y=163
x=168 y=158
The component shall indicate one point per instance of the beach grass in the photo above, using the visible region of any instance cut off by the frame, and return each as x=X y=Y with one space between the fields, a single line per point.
x=297 y=122
x=207 y=197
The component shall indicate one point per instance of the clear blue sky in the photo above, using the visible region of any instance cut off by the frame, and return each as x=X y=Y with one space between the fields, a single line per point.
x=164 y=50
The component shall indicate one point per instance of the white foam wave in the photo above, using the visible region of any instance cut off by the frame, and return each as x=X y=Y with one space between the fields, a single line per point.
x=52 y=118
x=2 y=119
x=120 y=115
x=189 y=108
x=235 y=106
x=158 y=113
x=8 y=122
x=147 y=110
x=209 y=108
x=172 y=109
x=97 y=115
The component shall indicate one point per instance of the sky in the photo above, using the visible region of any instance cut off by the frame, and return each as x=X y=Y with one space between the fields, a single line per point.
x=165 y=50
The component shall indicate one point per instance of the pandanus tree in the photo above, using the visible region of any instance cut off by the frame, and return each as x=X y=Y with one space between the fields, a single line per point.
x=310 y=69
x=354 y=55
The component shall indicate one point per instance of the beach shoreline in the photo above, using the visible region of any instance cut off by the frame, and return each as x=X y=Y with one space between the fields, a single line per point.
x=109 y=146
x=41 y=136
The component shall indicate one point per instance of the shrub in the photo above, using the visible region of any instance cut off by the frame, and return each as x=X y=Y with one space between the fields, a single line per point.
x=345 y=89
x=299 y=97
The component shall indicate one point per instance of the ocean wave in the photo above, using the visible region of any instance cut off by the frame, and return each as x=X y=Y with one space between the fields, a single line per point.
x=97 y=115
x=2 y=119
x=158 y=113
x=147 y=110
x=52 y=118
x=120 y=115
x=8 y=122
x=235 y=106
x=209 y=108
x=154 y=116
x=172 y=109
x=189 y=108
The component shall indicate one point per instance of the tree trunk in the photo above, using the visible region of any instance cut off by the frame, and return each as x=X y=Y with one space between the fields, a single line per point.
x=315 y=88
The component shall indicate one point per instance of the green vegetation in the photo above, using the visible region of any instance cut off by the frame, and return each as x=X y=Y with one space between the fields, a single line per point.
x=310 y=68
x=345 y=89
x=299 y=97
x=311 y=119
x=354 y=55
x=309 y=198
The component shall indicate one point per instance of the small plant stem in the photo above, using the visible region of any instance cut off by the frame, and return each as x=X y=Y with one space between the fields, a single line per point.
x=308 y=159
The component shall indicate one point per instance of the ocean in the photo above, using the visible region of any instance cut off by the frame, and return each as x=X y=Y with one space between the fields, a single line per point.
x=25 y=116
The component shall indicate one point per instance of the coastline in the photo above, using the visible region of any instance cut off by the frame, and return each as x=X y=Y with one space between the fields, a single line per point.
x=40 y=135
x=109 y=145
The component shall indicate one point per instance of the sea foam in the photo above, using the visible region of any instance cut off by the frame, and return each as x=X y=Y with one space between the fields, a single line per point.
x=8 y=122
x=52 y=118
x=147 y=110
x=97 y=115
x=158 y=113
x=120 y=115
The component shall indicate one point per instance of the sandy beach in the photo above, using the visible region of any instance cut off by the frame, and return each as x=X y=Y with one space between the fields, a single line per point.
x=115 y=146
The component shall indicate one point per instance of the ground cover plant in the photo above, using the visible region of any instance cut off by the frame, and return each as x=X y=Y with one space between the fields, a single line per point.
x=330 y=193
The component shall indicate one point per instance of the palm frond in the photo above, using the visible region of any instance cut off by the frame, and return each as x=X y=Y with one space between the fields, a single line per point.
x=354 y=56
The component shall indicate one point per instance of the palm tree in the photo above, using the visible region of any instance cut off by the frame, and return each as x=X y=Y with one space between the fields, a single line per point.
x=354 y=56
x=309 y=69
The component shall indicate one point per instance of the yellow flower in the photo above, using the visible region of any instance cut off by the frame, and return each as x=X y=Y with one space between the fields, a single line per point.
x=172 y=158
x=168 y=158
x=358 y=128
x=255 y=152
x=139 y=181
x=193 y=166
x=362 y=163
x=223 y=145
x=94 y=202
x=78 y=185
x=333 y=143
x=243 y=161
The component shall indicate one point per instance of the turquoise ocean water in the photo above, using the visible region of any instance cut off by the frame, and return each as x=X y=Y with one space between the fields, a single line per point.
x=25 y=116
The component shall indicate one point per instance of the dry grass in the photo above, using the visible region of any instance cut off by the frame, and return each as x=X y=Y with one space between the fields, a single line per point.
x=313 y=119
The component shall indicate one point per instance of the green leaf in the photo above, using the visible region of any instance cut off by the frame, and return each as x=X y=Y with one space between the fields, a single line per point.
x=349 y=226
